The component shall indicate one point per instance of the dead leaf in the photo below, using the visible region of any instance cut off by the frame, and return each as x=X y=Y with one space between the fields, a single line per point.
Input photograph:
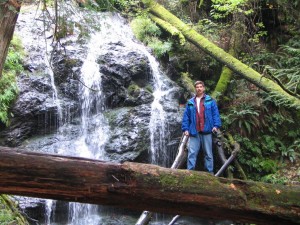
x=233 y=186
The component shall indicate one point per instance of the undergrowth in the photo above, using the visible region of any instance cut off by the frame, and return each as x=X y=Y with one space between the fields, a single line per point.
x=8 y=87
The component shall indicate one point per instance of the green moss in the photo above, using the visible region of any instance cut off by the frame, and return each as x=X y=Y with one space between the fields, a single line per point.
x=115 y=116
x=169 y=28
x=188 y=180
x=169 y=181
x=111 y=116
x=251 y=195
x=71 y=62
x=9 y=213
x=222 y=83
x=187 y=82
x=260 y=194
x=133 y=88
x=276 y=92
x=149 y=88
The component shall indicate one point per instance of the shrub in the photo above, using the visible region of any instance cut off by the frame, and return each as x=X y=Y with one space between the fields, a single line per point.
x=8 y=87
x=148 y=32
x=143 y=27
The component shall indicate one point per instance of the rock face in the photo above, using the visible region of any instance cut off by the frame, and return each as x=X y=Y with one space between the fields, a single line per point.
x=36 y=110
x=128 y=90
x=129 y=133
x=126 y=75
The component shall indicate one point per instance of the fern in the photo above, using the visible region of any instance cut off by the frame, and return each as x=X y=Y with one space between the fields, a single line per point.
x=8 y=93
x=143 y=27
x=159 y=47
x=285 y=65
x=8 y=86
x=223 y=8
x=148 y=32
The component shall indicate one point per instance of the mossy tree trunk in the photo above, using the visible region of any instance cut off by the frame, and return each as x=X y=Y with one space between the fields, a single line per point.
x=268 y=85
x=9 y=10
x=9 y=212
x=224 y=80
x=141 y=186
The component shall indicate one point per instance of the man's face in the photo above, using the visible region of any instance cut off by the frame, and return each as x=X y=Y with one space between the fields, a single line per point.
x=199 y=89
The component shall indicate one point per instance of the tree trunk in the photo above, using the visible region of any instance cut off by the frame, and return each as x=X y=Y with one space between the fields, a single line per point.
x=8 y=17
x=219 y=54
x=224 y=80
x=140 y=186
x=178 y=163
x=169 y=28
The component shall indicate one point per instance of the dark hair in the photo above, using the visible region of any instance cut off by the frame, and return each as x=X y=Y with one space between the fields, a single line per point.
x=199 y=82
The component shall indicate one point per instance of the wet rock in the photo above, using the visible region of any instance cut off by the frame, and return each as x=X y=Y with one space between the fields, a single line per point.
x=127 y=84
x=129 y=133
x=34 y=102
x=35 y=111
x=122 y=67
x=137 y=96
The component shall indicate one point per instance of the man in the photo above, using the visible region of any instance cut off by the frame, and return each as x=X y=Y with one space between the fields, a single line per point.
x=201 y=118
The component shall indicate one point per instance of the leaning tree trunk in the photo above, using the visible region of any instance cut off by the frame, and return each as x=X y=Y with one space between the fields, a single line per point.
x=274 y=90
x=140 y=186
x=8 y=17
x=224 y=80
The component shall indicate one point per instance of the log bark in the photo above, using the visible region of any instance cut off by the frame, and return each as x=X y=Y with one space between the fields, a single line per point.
x=178 y=163
x=9 y=11
x=140 y=186
x=274 y=90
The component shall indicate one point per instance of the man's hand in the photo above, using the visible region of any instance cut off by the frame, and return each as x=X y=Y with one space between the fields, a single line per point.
x=215 y=130
x=186 y=133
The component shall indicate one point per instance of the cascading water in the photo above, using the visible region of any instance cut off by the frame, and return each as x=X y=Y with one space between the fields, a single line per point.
x=94 y=129
x=41 y=61
x=92 y=108
x=157 y=124
x=91 y=146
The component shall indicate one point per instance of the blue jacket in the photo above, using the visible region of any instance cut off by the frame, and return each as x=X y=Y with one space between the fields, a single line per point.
x=211 y=116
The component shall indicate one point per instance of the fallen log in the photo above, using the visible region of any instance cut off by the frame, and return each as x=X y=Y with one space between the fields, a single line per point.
x=178 y=163
x=226 y=162
x=140 y=186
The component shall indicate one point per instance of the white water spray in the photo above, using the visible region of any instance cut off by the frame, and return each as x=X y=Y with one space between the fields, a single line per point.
x=94 y=128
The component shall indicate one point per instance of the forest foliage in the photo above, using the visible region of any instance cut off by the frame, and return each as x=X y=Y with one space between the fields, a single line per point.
x=8 y=86
x=266 y=37
x=9 y=213
x=265 y=34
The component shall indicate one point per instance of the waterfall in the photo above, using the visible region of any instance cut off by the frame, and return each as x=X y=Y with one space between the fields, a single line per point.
x=35 y=40
x=157 y=124
x=94 y=130
x=90 y=146
x=112 y=29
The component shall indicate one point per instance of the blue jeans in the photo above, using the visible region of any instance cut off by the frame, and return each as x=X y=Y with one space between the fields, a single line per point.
x=197 y=142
